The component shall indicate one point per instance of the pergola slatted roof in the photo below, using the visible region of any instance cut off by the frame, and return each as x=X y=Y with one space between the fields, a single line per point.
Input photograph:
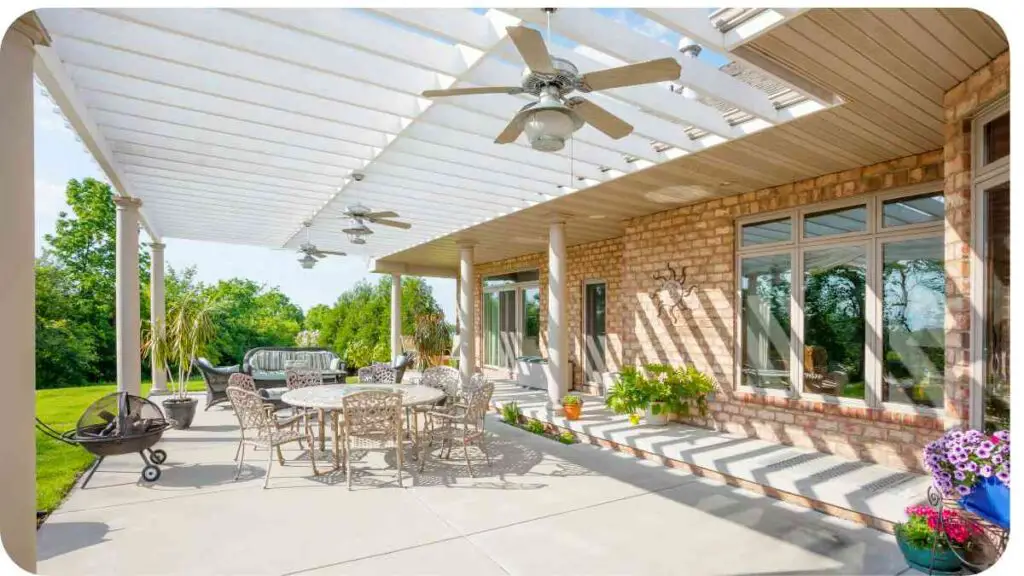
x=228 y=120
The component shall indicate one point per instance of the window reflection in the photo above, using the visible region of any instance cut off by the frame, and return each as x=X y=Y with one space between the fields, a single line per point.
x=765 y=292
x=997 y=308
x=835 y=280
x=913 y=313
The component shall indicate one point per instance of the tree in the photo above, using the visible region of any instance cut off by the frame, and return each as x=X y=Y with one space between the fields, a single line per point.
x=358 y=326
x=250 y=315
x=79 y=264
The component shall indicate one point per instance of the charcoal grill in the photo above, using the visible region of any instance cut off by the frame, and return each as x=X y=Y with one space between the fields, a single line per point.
x=118 y=423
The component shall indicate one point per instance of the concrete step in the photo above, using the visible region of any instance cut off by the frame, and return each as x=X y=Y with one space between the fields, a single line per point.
x=863 y=492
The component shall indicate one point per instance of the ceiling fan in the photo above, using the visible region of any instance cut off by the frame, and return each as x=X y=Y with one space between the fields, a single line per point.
x=554 y=116
x=310 y=254
x=360 y=215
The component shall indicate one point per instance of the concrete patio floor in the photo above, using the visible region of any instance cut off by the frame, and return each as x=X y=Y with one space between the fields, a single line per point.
x=543 y=508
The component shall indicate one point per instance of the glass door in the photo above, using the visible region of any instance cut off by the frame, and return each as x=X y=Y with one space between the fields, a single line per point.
x=594 y=331
x=508 y=328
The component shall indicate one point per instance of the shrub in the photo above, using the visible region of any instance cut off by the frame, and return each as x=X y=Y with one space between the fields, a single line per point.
x=567 y=438
x=511 y=413
x=358 y=354
x=535 y=426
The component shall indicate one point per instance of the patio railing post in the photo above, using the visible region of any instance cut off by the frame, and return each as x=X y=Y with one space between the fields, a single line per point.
x=396 y=316
x=157 y=308
x=558 y=332
x=129 y=365
x=467 y=348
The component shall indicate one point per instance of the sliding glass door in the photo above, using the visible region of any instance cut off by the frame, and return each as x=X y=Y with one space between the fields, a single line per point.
x=511 y=304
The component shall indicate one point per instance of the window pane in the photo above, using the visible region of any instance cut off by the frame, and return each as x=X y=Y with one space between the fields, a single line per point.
x=767 y=232
x=997 y=138
x=531 y=322
x=834 y=321
x=765 y=291
x=839 y=221
x=914 y=210
x=913 y=311
x=511 y=278
x=997 y=308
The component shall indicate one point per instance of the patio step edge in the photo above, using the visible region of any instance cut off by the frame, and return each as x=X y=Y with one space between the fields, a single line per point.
x=834 y=510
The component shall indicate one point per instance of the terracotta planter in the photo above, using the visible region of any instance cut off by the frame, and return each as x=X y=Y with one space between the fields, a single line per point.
x=572 y=411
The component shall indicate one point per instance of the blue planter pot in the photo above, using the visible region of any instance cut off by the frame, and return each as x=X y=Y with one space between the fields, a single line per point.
x=990 y=499
x=921 y=558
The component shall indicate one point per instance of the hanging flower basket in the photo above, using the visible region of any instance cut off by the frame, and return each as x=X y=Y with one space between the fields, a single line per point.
x=973 y=468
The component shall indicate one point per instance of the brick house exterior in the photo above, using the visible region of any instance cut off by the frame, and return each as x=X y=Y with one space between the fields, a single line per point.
x=671 y=282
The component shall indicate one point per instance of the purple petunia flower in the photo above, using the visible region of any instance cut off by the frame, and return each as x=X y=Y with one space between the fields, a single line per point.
x=997 y=458
x=1002 y=435
x=959 y=475
x=983 y=453
x=986 y=471
x=1003 y=477
x=963 y=490
x=971 y=466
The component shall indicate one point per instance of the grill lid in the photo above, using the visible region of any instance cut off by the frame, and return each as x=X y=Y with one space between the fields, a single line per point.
x=119 y=415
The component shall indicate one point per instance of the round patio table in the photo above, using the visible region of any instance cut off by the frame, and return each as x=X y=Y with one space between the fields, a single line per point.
x=330 y=398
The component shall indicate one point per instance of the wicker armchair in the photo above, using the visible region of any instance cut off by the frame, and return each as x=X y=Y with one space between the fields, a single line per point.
x=216 y=380
x=243 y=381
x=464 y=424
x=259 y=428
x=373 y=421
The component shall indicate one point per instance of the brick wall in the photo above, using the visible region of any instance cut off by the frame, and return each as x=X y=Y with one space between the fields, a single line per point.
x=686 y=256
x=962 y=103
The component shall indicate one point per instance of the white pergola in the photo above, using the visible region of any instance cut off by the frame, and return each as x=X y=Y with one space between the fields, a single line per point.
x=238 y=125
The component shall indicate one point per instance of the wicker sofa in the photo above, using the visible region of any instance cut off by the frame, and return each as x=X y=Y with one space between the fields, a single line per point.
x=266 y=365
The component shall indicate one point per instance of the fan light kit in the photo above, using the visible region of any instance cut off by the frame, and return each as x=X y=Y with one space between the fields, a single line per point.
x=309 y=254
x=554 y=116
x=360 y=215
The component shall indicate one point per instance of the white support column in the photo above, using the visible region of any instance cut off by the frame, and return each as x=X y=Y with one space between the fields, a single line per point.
x=558 y=330
x=157 y=309
x=396 y=316
x=467 y=325
x=17 y=292
x=126 y=314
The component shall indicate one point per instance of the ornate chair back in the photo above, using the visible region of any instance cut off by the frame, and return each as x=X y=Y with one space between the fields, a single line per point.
x=243 y=381
x=373 y=413
x=443 y=378
x=382 y=373
x=250 y=411
x=302 y=377
x=478 y=399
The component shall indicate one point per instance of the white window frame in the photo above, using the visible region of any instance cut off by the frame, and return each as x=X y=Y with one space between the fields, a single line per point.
x=984 y=178
x=871 y=241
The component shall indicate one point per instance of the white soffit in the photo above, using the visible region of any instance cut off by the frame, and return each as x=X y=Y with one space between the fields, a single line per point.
x=236 y=125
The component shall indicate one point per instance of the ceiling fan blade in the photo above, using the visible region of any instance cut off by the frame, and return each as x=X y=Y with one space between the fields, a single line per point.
x=386 y=214
x=660 y=70
x=393 y=224
x=332 y=253
x=479 y=90
x=510 y=133
x=357 y=231
x=530 y=45
x=600 y=118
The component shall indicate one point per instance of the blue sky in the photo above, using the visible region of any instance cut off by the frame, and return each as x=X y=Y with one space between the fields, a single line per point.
x=59 y=157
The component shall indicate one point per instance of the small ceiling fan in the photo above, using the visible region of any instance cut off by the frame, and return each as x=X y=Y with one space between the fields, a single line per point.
x=310 y=254
x=550 y=120
x=359 y=215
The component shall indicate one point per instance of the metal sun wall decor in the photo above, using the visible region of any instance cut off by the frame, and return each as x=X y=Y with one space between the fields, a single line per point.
x=671 y=292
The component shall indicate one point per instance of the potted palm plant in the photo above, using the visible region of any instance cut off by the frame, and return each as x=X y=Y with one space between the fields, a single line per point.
x=433 y=339
x=185 y=336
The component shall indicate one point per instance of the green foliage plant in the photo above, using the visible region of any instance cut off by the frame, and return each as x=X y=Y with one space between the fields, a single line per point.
x=535 y=426
x=511 y=413
x=572 y=400
x=433 y=338
x=629 y=393
x=187 y=334
x=358 y=354
x=567 y=438
x=662 y=388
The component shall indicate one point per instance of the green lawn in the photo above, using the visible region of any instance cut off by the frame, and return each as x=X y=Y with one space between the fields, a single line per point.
x=58 y=464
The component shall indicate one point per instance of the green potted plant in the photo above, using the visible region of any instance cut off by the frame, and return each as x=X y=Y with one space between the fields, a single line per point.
x=185 y=336
x=628 y=394
x=572 y=404
x=433 y=339
x=931 y=546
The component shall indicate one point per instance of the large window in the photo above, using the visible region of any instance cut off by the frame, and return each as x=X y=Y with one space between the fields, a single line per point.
x=511 y=305
x=990 y=270
x=846 y=301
